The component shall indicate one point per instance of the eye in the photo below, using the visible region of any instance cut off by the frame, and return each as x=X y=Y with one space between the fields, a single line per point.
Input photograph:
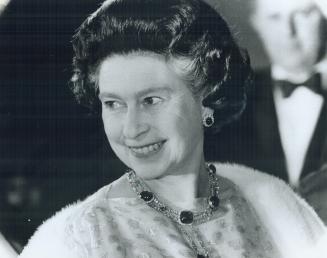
x=112 y=104
x=152 y=100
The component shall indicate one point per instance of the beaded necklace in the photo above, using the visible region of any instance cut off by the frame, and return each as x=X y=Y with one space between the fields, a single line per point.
x=184 y=218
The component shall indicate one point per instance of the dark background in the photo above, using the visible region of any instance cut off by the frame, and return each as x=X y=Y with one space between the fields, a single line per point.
x=52 y=150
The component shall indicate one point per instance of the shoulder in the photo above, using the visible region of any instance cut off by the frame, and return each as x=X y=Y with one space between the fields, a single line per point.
x=254 y=184
x=262 y=85
x=49 y=239
x=64 y=234
x=261 y=188
x=248 y=179
x=291 y=222
x=263 y=77
x=263 y=73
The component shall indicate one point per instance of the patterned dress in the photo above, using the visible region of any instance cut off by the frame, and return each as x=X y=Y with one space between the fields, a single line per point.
x=106 y=227
x=259 y=217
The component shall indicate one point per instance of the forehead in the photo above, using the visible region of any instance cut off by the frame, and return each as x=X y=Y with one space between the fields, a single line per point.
x=132 y=73
x=281 y=6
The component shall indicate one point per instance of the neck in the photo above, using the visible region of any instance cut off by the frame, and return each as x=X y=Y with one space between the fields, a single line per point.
x=299 y=76
x=183 y=186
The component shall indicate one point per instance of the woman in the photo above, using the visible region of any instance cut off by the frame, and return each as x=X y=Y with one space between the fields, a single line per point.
x=167 y=72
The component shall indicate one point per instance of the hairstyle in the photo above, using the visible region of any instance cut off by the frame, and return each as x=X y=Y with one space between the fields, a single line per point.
x=177 y=29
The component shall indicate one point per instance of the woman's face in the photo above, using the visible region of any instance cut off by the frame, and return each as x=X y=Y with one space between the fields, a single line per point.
x=151 y=119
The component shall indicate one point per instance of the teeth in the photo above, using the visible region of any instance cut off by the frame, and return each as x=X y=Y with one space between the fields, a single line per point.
x=146 y=149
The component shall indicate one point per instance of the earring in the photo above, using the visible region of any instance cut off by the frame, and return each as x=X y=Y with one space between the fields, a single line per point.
x=208 y=120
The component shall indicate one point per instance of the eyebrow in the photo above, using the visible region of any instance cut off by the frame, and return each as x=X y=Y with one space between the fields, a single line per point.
x=164 y=89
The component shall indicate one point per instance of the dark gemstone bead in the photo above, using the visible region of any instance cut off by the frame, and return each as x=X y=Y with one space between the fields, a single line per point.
x=163 y=208
x=186 y=217
x=214 y=201
x=146 y=196
x=212 y=168
x=202 y=256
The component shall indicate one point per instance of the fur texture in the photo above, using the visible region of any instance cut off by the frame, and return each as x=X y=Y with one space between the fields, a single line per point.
x=293 y=225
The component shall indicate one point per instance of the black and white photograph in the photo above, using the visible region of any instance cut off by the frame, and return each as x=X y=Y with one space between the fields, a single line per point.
x=163 y=128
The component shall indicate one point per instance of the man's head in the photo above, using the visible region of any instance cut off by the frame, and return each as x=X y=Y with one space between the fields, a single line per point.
x=293 y=32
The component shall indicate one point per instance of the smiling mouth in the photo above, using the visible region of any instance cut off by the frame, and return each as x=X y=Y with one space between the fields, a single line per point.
x=146 y=150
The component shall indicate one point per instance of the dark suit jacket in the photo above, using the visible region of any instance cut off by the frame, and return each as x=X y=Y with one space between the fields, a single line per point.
x=254 y=139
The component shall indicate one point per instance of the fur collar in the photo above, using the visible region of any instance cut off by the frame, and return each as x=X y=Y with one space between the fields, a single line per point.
x=292 y=223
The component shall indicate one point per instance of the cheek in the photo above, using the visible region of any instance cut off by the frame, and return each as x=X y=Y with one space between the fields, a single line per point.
x=184 y=128
x=310 y=30
x=270 y=41
x=182 y=118
x=111 y=127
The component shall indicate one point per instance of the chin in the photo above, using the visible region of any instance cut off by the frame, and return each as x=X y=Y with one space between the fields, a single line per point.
x=141 y=167
x=148 y=171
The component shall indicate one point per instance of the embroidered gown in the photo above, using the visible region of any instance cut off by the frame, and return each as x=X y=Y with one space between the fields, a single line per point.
x=103 y=226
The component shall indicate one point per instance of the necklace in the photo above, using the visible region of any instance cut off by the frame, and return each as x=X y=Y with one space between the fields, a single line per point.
x=184 y=218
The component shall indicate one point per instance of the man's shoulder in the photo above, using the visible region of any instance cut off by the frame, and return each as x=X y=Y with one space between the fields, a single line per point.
x=262 y=73
x=262 y=82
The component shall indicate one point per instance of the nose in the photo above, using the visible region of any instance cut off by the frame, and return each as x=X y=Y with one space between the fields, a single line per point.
x=291 y=26
x=135 y=124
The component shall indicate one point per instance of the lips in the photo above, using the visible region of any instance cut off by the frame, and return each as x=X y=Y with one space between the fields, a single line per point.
x=146 y=150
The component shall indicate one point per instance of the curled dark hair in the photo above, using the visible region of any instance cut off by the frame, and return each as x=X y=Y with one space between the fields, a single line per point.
x=176 y=29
